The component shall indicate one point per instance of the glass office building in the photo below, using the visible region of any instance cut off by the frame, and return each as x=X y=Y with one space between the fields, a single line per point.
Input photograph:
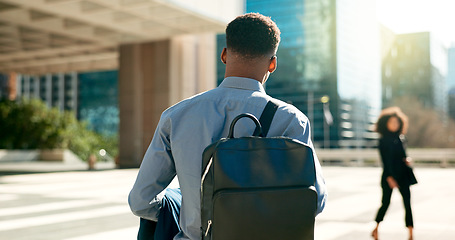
x=358 y=71
x=451 y=67
x=98 y=101
x=328 y=48
x=451 y=80
x=416 y=66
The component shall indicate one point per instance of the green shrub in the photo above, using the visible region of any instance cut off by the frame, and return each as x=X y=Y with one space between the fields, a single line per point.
x=32 y=125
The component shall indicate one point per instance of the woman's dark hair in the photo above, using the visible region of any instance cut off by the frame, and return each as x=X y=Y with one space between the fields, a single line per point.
x=252 y=35
x=386 y=114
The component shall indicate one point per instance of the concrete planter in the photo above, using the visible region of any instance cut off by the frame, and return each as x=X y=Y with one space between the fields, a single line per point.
x=58 y=155
x=55 y=155
x=47 y=155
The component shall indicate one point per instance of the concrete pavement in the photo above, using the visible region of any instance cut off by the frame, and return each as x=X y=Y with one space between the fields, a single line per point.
x=87 y=205
x=355 y=194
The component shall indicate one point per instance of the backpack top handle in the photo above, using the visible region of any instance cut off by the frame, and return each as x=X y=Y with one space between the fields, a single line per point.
x=250 y=116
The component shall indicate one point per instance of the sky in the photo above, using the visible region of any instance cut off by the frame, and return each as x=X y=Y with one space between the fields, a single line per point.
x=404 y=16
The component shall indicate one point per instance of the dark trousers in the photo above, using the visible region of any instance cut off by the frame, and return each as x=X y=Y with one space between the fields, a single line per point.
x=168 y=219
x=387 y=194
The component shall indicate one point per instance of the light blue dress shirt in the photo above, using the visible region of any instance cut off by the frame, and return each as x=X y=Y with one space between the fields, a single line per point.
x=188 y=127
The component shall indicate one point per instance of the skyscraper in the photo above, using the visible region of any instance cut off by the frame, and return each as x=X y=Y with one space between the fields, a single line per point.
x=416 y=66
x=451 y=80
x=451 y=67
x=328 y=56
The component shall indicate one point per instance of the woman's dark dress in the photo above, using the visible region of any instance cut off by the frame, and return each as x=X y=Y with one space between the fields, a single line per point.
x=393 y=158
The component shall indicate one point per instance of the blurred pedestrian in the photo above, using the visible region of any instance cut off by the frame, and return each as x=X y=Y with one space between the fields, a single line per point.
x=397 y=173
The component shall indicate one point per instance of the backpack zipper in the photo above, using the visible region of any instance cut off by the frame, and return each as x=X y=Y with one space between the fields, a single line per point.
x=209 y=224
x=205 y=174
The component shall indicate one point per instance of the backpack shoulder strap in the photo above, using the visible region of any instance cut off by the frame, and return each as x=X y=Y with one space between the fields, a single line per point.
x=267 y=117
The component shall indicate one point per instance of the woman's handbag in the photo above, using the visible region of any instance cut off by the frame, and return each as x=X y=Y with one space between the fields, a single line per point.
x=410 y=177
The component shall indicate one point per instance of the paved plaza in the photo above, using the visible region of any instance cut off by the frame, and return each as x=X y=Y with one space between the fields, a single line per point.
x=86 y=205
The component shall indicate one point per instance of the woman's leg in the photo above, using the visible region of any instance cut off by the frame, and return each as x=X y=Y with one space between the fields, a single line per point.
x=386 y=195
x=374 y=234
x=410 y=233
x=406 y=194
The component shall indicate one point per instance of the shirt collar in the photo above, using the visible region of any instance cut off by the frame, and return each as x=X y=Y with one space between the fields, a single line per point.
x=242 y=83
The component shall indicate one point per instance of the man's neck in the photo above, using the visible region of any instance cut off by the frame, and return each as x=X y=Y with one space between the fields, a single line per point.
x=246 y=72
x=243 y=76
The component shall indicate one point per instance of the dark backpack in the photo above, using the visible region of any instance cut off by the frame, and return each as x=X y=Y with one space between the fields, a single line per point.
x=258 y=187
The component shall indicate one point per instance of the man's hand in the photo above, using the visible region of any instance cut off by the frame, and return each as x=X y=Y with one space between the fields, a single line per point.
x=392 y=183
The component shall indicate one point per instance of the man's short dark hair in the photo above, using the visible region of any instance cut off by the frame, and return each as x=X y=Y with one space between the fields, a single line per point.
x=252 y=35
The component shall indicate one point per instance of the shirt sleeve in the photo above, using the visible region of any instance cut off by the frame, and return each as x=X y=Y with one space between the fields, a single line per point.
x=156 y=172
x=300 y=129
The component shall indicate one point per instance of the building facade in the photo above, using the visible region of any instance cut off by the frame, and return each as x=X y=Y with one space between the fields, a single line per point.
x=56 y=90
x=329 y=50
x=92 y=96
x=4 y=86
x=451 y=100
x=451 y=67
x=358 y=71
x=416 y=66
x=98 y=101
x=451 y=80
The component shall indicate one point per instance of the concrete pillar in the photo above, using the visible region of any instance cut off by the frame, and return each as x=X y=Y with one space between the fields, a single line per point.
x=143 y=95
x=152 y=77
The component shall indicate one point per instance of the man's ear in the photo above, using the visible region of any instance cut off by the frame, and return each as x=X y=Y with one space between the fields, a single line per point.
x=273 y=64
x=223 y=55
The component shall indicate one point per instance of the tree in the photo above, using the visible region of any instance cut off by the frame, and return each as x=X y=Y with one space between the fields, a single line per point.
x=427 y=129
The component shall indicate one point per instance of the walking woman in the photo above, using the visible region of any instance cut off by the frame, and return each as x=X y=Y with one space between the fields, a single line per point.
x=397 y=173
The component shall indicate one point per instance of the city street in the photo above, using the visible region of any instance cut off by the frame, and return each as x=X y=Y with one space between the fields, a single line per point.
x=93 y=205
